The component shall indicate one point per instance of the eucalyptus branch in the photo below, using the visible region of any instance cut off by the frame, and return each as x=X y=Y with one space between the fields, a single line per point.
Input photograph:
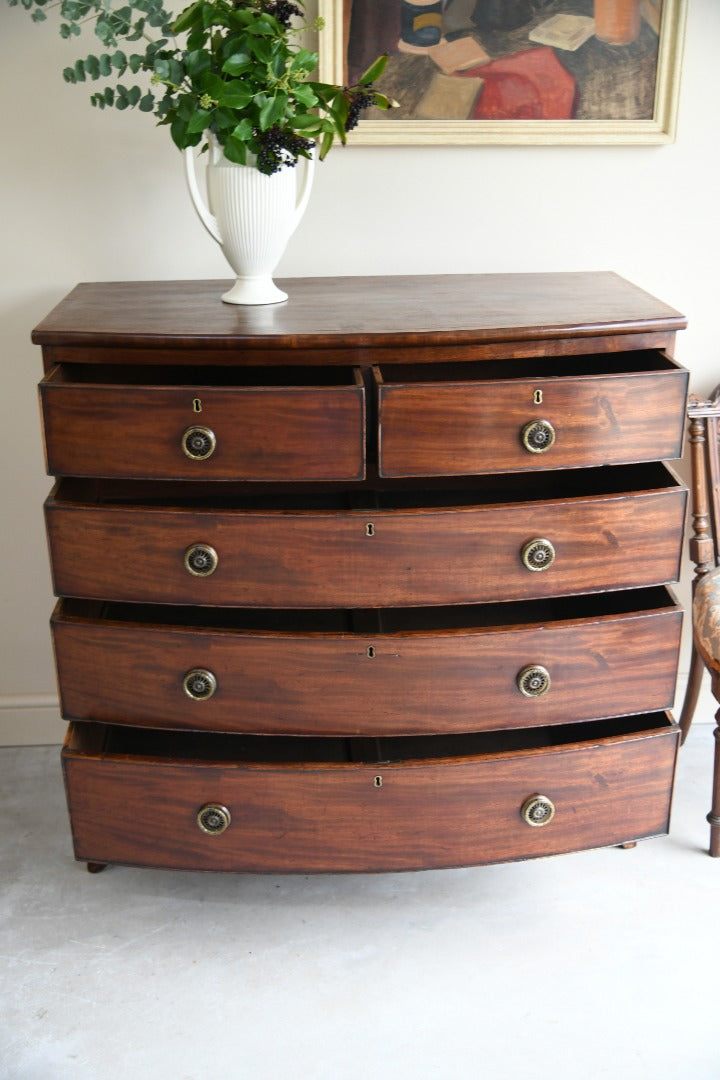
x=231 y=71
x=49 y=7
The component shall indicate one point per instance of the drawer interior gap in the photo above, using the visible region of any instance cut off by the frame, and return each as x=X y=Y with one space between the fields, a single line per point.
x=388 y=495
x=202 y=376
x=643 y=361
x=186 y=746
x=367 y=621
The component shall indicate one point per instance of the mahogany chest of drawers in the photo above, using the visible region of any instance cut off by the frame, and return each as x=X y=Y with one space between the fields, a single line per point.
x=375 y=579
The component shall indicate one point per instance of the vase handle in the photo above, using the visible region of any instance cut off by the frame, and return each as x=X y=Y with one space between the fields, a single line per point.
x=203 y=213
x=304 y=187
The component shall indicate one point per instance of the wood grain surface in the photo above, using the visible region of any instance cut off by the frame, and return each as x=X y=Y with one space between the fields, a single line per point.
x=290 y=432
x=417 y=680
x=447 y=425
x=332 y=816
x=451 y=554
x=323 y=313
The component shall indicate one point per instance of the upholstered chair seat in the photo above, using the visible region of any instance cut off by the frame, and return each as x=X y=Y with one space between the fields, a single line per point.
x=706 y=619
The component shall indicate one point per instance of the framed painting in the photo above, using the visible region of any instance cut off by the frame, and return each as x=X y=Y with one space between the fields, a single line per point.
x=511 y=71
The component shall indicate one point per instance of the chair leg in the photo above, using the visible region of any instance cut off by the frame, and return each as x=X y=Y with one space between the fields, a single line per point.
x=714 y=815
x=692 y=693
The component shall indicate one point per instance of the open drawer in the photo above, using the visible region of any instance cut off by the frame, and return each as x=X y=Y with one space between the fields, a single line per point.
x=249 y=803
x=493 y=539
x=204 y=423
x=403 y=671
x=551 y=413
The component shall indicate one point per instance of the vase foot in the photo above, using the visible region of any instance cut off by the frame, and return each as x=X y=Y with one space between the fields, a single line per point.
x=254 y=291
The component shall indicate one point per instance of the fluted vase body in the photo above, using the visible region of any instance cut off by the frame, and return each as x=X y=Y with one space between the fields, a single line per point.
x=252 y=216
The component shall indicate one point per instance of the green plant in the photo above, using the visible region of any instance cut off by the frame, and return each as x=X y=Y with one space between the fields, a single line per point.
x=231 y=68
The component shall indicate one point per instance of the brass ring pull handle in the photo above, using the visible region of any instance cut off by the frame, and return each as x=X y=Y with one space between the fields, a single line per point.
x=199 y=684
x=538 y=436
x=198 y=443
x=201 y=560
x=537 y=810
x=213 y=819
x=538 y=554
x=533 y=681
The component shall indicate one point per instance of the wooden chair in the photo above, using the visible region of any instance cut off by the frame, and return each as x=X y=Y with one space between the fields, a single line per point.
x=703 y=433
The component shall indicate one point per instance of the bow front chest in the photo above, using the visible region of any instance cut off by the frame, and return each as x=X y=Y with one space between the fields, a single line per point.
x=375 y=579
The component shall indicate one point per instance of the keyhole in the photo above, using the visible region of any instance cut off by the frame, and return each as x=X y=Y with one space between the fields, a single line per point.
x=371 y=652
x=538 y=397
x=378 y=781
x=369 y=529
x=197 y=405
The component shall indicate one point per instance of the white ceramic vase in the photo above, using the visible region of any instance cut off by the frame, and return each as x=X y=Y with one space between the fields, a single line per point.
x=251 y=216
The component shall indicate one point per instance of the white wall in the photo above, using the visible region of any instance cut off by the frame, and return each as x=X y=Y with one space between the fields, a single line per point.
x=100 y=196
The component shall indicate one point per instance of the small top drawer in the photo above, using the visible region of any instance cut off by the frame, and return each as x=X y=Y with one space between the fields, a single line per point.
x=553 y=413
x=204 y=423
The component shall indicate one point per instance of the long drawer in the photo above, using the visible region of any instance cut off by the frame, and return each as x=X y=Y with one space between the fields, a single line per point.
x=248 y=803
x=204 y=423
x=562 y=412
x=573 y=532
x=412 y=671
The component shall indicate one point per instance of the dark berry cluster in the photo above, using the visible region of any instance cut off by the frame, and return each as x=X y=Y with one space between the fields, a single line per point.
x=278 y=148
x=282 y=10
x=359 y=101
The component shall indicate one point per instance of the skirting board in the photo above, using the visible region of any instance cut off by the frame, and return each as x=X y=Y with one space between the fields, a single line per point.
x=30 y=720
x=34 y=719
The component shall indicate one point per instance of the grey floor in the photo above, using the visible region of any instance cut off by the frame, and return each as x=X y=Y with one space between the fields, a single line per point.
x=601 y=964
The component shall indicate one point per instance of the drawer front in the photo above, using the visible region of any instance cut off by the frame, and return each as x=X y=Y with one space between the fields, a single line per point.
x=365 y=558
x=444 y=428
x=406 y=815
x=419 y=681
x=293 y=432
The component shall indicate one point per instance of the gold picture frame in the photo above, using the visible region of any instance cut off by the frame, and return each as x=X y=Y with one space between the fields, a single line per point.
x=664 y=18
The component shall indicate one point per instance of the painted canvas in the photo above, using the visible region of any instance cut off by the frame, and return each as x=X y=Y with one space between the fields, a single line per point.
x=512 y=70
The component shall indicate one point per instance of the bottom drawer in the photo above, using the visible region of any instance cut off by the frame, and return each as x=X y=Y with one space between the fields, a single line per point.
x=321 y=805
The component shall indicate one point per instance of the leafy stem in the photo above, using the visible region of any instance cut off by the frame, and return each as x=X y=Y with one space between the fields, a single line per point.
x=228 y=70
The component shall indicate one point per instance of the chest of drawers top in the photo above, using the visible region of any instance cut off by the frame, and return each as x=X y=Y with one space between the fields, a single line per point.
x=334 y=320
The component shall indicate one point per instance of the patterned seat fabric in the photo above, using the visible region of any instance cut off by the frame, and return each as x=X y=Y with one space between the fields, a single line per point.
x=706 y=617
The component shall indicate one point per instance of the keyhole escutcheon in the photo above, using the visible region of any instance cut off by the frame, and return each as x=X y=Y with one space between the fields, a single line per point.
x=369 y=529
x=197 y=405
x=378 y=781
